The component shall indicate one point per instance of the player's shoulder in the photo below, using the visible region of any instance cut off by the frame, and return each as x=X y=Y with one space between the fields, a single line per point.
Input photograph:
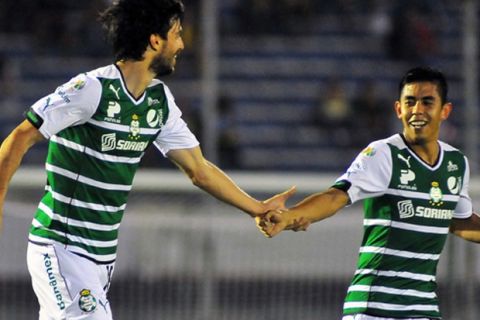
x=110 y=71
x=381 y=146
x=160 y=85
x=449 y=148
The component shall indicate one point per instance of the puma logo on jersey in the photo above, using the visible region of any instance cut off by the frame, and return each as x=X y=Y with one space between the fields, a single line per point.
x=47 y=104
x=111 y=87
x=406 y=160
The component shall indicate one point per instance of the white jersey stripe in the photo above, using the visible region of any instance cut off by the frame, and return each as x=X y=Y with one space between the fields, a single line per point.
x=390 y=306
x=399 y=253
x=99 y=258
x=405 y=226
x=397 y=274
x=419 y=195
x=83 y=179
x=122 y=128
x=377 y=222
x=77 y=223
x=382 y=289
x=87 y=242
x=82 y=204
x=93 y=153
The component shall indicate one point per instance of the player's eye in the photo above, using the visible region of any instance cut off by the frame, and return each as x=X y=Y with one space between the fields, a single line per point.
x=410 y=102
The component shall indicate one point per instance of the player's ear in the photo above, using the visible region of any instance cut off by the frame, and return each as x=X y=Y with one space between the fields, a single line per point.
x=154 y=42
x=398 y=109
x=446 y=109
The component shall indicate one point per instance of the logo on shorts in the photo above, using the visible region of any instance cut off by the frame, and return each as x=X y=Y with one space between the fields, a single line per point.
x=87 y=301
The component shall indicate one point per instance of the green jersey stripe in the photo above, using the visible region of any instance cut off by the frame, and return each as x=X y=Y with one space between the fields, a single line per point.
x=390 y=282
x=122 y=128
x=397 y=274
x=101 y=156
x=83 y=179
x=97 y=217
x=77 y=239
x=383 y=289
x=61 y=228
x=82 y=204
x=399 y=253
x=419 y=195
x=405 y=226
x=77 y=223
x=391 y=306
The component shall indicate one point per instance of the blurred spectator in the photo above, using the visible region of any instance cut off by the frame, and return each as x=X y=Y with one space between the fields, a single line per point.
x=9 y=100
x=333 y=112
x=258 y=16
x=412 y=38
x=227 y=134
x=372 y=116
x=296 y=15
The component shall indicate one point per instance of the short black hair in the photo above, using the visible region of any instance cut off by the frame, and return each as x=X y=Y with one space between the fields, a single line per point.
x=129 y=23
x=426 y=74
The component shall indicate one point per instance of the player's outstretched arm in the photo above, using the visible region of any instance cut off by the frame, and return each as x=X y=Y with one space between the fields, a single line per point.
x=468 y=229
x=314 y=208
x=213 y=180
x=12 y=151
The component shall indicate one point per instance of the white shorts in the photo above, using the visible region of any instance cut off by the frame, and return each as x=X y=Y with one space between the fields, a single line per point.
x=68 y=286
x=367 y=317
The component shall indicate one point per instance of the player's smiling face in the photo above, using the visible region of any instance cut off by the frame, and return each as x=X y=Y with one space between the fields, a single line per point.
x=421 y=111
x=165 y=61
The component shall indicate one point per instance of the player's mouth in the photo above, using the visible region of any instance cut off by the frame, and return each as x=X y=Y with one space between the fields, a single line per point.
x=417 y=124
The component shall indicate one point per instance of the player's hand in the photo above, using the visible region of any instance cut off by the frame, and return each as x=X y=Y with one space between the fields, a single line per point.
x=277 y=202
x=276 y=221
x=272 y=223
x=300 y=224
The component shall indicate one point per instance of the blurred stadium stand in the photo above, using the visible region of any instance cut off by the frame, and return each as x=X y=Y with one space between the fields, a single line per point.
x=272 y=80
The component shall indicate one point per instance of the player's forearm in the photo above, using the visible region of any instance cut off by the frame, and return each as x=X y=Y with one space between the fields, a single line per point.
x=467 y=229
x=214 y=181
x=12 y=151
x=318 y=206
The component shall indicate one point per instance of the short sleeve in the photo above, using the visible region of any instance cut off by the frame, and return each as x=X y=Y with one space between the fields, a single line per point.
x=71 y=104
x=175 y=134
x=464 y=207
x=369 y=174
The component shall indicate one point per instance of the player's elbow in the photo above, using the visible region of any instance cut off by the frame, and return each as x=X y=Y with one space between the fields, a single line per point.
x=199 y=178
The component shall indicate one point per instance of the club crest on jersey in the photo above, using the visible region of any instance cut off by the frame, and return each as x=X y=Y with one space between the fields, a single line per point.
x=454 y=184
x=436 y=195
x=134 y=128
x=87 y=301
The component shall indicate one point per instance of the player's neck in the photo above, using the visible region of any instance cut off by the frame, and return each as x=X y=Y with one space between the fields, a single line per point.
x=427 y=151
x=136 y=75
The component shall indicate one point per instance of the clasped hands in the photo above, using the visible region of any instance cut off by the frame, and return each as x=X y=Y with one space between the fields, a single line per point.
x=275 y=221
x=276 y=216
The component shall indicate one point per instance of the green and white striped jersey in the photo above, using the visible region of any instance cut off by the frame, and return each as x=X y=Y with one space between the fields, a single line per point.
x=98 y=133
x=408 y=207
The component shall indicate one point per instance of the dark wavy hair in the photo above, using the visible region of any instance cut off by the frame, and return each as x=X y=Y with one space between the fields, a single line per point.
x=426 y=74
x=129 y=23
